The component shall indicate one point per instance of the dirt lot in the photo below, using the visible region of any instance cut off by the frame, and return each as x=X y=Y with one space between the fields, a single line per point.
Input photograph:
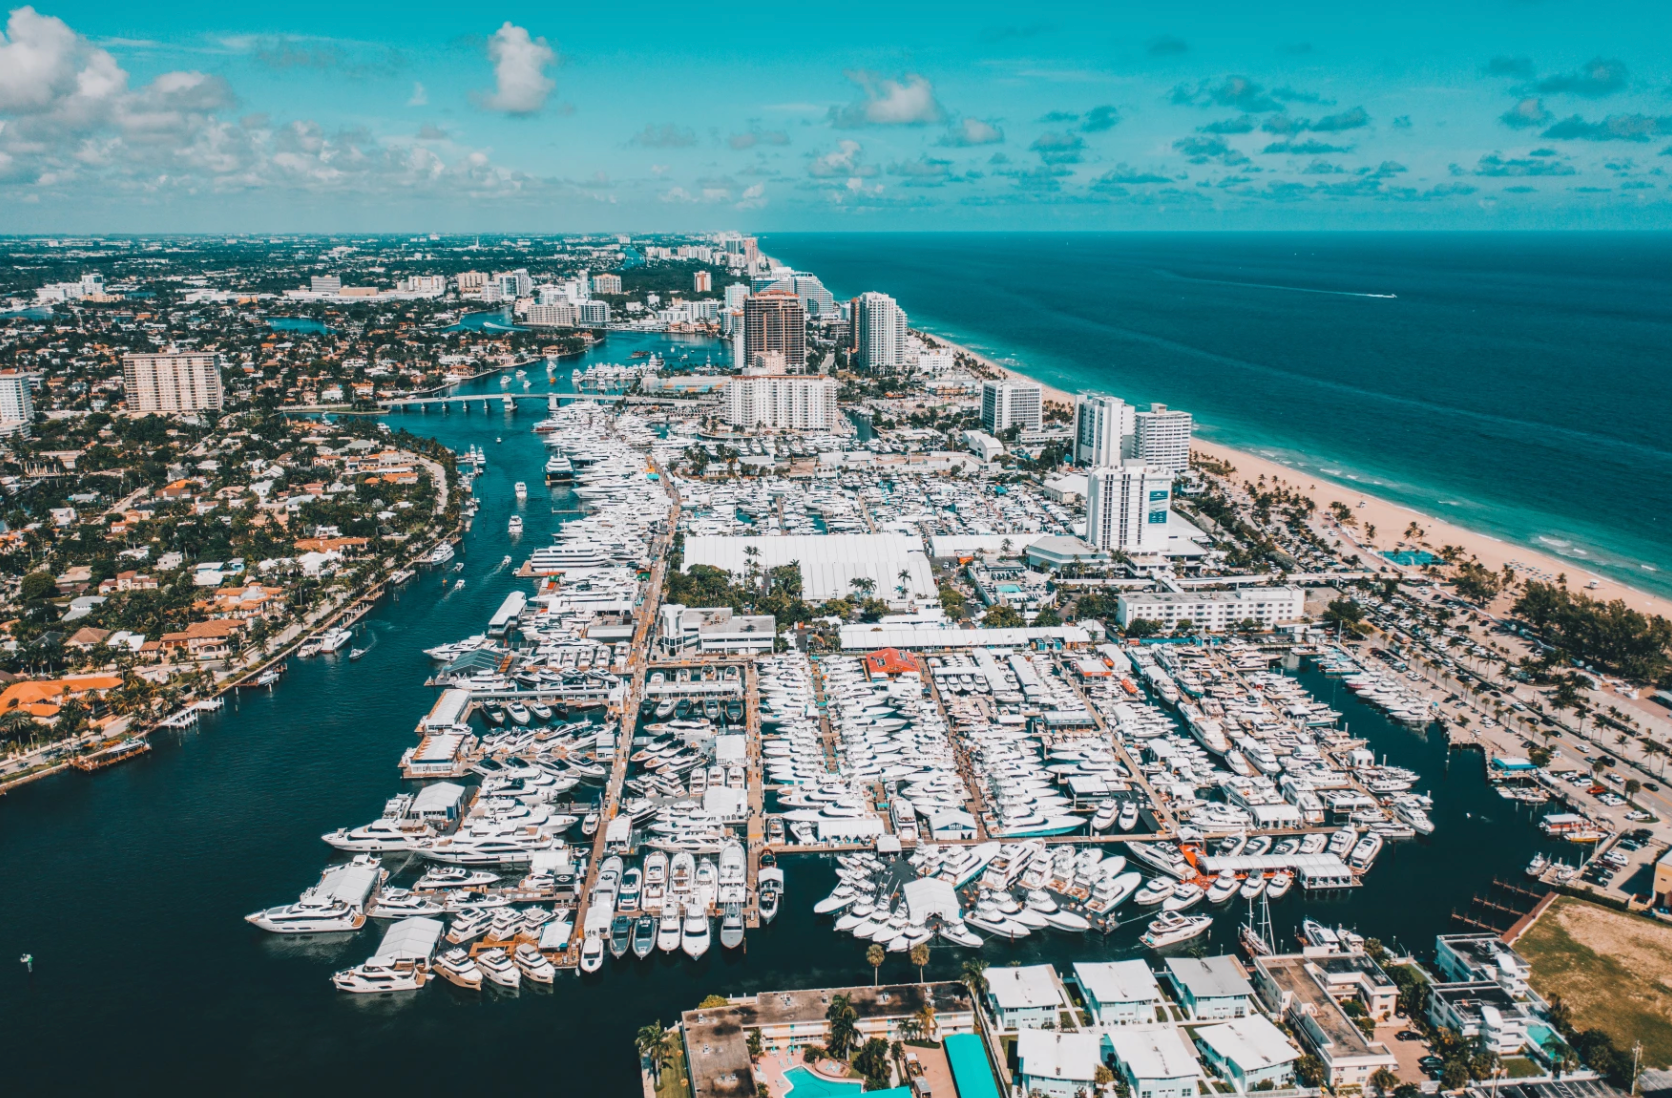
x=1614 y=972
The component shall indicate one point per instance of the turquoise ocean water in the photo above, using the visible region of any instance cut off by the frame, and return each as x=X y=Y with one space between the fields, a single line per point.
x=1515 y=384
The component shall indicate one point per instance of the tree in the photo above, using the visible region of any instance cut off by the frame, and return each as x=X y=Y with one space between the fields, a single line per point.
x=1142 y=627
x=874 y=957
x=755 y=1047
x=920 y=957
x=651 y=1041
x=975 y=977
x=1384 y=1081
x=844 y=1031
x=712 y=1001
x=1310 y=1070
x=863 y=586
x=1002 y=616
x=38 y=585
x=871 y=1061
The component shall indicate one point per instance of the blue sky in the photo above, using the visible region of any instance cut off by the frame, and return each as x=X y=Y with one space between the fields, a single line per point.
x=469 y=117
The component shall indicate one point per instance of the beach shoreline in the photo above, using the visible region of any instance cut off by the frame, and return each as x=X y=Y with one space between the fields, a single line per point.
x=1389 y=518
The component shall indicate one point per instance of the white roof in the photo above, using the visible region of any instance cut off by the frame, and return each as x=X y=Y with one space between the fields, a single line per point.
x=1250 y=1043
x=437 y=798
x=864 y=636
x=730 y=749
x=1209 y=977
x=829 y=562
x=1118 y=981
x=1152 y=1053
x=928 y=896
x=968 y=545
x=350 y=883
x=1044 y=1054
x=408 y=940
x=1024 y=986
x=619 y=830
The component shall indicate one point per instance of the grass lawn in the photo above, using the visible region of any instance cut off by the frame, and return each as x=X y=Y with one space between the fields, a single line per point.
x=1613 y=970
x=1519 y=1067
x=675 y=1081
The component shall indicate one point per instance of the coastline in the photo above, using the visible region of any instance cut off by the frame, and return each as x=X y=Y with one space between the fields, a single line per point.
x=1389 y=518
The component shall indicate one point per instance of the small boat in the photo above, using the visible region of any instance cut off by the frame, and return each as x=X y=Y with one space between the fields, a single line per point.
x=458 y=585
x=668 y=929
x=1157 y=890
x=621 y=936
x=589 y=824
x=456 y=967
x=769 y=888
x=1128 y=817
x=514 y=526
x=1105 y=817
x=518 y=712
x=533 y=964
x=731 y=926
x=521 y=489
x=1186 y=895
x=644 y=936
x=592 y=953
x=1223 y=888
x=356 y=653
x=1279 y=885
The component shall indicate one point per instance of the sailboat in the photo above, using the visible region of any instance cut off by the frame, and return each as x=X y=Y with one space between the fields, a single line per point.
x=1256 y=938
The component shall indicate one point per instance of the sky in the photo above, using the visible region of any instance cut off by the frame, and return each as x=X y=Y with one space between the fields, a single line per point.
x=374 y=117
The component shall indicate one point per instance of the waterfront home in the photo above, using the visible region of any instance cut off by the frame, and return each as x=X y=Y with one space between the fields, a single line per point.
x=1025 y=996
x=204 y=640
x=1250 y=1052
x=1211 y=987
x=1118 y=993
x=1475 y=957
x=1481 y=1011
x=1155 y=1061
x=1059 y=1064
x=1294 y=988
x=44 y=697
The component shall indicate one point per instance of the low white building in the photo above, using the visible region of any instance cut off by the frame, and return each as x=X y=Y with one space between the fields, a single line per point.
x=1249 y=1052
x=715 y=629
x=1025 y=996
x=1118 y=993
x=1062 y=1065
x=1213 y=610
x=1155 y=1061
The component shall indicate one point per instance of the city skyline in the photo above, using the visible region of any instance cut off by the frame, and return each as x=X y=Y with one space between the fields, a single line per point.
x=1514 y=115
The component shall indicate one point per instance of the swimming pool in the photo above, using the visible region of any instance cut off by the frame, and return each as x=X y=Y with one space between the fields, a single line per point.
x=804 y=1084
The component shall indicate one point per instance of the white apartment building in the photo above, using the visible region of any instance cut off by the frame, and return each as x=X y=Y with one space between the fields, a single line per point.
x=17 y=403
x=561 y=314
x=1127 y=507
x=781 y=402
x=736 y=294
x=879 y=327
x=172 y=382
x=514 y=284
x=1104 y=429
x=1213 y=610
x=1007 y=404
x=1163 y=438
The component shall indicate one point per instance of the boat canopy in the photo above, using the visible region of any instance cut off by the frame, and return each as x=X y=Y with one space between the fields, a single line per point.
x=408 y=940
x=928 y=896
x=351 y=883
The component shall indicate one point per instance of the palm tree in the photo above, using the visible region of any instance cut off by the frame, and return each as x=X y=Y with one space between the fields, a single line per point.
x=874 y=957
x=650 y=1041
x=975 y=977
x=844 y=1032
x=920 y=957
x=1384 y=1081
x=925 y=1020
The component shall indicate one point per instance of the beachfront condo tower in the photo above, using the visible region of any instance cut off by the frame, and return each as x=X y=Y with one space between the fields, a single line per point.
x=1163 y=438
x=1007 y=404
x=1127 y=507
x=774 y=320
x=879 y=332
x=172 y=382
x=1104 y=430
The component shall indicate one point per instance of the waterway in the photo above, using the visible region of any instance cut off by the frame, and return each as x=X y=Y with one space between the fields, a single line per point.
x=129 y=886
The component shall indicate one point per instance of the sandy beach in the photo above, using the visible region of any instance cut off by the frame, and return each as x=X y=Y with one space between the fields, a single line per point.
x=1391 y=519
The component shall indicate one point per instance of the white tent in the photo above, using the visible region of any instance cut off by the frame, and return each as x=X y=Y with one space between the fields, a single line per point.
x=928 y=896
x=408 y=940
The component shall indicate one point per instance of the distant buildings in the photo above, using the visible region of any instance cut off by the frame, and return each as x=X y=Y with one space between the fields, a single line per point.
x=606 y=284
x=1007 y=404
x=776 y=321
x=1127 y=507
x=702 y=282
x=172 y=382
x=879 y=332
x=1213 y=610
x=736 y=294
x=1163 y=438
x=1104 y=430
x=514 y=284
x=17 y=403
x=781 y=402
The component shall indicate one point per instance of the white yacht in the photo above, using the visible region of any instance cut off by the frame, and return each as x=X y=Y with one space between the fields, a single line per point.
x=499 y=968
x=521 y=488
x=515 y=525
x=374 y=978
x=668 y=930
x=1171 y=928
x=694 y=937
x=378 y=836
x=334 y=639
x=456 y=967
x=309 y=915
x=534 y=964
x=441 y=554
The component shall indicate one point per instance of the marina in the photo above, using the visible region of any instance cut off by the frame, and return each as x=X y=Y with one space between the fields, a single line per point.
x=323 y=743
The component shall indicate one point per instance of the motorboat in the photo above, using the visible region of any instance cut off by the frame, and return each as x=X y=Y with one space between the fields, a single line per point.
x=456 y=967
x=514 y=526
x=1252 y=887
x=533 y=964
x=334 y=639
x=668 y=929
x=694 y=937
x=731 y=926
x=1157 y=890
x=644 y=936
x=309 y=915
x=498 y=968
x=621 y=936
x=592 y=953
x=376 y=978
x=1128 y=818
x=400 y=903
x=454 y=876
x=469 y=926
x=769 y=891
x=521 y=489
x=518 y=712
x=1170 y=928
x=1279 y=885
x=1186 y=895
x=378 y=836
x=1223 y=887
x=1105 y=817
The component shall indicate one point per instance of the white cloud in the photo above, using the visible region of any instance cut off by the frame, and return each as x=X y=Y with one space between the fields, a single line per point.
x=419 y=97
x=519 y=68
x=972 y=131
x=909 y=101
x=842 y=161
x=753 y=198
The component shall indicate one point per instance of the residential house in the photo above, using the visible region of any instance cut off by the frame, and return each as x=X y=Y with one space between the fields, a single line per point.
x=43 y=698
x=1155 y=1061
x=204 y=640
x=1025 y=996
x=1250 y=1052
x=1482 y=1011
x=1118 y=993
x=1210 y=988
x=1057 y=1063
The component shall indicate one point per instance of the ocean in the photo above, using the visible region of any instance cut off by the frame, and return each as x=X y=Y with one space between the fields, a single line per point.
x=1515 y=384
x=129 y=886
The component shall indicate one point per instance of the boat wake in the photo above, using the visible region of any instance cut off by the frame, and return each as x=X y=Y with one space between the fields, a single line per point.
x=1275 y=286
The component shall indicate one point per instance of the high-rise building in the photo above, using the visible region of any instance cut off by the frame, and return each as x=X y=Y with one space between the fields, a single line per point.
x=471 y=282
x=1127 y=507
x=780 y=402
x=1163 y=438
x=595 y=314
x=606 y=284
x=879 y=332
x=702 y=282
x=172 y=382
x=736 y=294
x=17 y=403
x=775 y=321
x=559 y=314
x=1009 y=403
x=326 y=284
x=1103 y=429
x=514 y=284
